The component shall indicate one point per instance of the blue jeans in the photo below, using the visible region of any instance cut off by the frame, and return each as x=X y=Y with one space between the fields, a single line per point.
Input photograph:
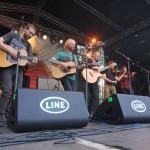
x=7 y=76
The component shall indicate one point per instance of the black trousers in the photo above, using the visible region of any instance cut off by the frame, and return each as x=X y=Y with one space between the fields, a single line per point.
x=93 y=100
x=68 y=84
x=7 y=76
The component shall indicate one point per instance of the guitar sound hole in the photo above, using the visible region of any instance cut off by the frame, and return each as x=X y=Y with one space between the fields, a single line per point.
x=66 y=70
x=69 y=67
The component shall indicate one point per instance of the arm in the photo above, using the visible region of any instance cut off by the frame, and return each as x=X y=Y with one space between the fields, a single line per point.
x=118 y=78
x=96 y=68
x=8 y=49
x=60 y=63
x=108 y=67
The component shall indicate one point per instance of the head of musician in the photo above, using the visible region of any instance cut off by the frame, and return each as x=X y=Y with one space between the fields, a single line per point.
x=123 y=69
x=96 y=56
x=112 y=64
x=28 y=32
x=70 y=45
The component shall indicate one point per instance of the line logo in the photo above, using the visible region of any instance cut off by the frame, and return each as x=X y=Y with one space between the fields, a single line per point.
x=138 y=106
x=54 y=105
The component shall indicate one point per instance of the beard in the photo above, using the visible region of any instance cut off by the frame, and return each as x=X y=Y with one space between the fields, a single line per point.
x=26 y=37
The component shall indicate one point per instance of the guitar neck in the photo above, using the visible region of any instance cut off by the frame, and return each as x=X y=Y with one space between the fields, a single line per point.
x=41 y=59
x=102 y=69
x=75 y=66
x=89 y=64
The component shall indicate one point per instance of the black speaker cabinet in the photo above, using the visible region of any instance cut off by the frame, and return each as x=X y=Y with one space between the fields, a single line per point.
x=122 y=109
x=35 y=110
x=48 y=83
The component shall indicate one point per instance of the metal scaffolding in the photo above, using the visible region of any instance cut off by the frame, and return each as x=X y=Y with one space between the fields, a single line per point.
x=46 y=16
x=143 y=24
x=38 y=8
x=74 y=33
x=12 y=23
x=99 y=15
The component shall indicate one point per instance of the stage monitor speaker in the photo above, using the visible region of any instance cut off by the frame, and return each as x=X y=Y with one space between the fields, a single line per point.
x=122 y=109
x=48 y=83
x=35 y=110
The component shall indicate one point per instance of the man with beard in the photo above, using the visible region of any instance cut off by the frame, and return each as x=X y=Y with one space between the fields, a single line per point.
x=10 y=43
x=68 y=81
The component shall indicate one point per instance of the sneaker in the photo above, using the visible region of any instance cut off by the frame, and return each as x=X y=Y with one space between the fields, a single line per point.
x=2 y=118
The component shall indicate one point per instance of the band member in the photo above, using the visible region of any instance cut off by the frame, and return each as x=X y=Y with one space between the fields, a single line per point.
x=66 y=55
x=125 y=83
x=93 y=87
x=110 y=80
x=10 y=43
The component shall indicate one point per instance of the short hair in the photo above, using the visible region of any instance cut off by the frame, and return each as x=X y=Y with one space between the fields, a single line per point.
x=123 y=67
x=29 y=25
x=96 y=52
x=67 y=42
x=110 y=62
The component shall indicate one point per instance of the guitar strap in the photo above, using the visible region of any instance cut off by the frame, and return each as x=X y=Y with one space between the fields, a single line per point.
x=73 y=58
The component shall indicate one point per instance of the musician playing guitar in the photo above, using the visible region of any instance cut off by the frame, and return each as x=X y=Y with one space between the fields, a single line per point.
x=93 y=87
x=11 y=43
x=66 y=55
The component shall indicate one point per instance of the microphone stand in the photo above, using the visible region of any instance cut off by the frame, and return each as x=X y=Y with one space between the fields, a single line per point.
x=128 y=66
x=86 y=83
x=18 y=59
x=148 y=77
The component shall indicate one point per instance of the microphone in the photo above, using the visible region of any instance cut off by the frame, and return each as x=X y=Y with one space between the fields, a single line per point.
x=22 y=19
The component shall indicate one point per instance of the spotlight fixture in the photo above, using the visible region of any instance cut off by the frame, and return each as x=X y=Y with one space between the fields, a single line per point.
x=61 y=41
x=44 y=37
x=93 y=40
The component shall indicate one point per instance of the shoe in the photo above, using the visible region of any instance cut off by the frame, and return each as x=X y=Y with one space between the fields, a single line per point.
x=2 y=118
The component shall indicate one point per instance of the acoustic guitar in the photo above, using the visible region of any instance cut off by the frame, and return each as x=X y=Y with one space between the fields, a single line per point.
x=7 y=61
x=59 y=72
x=91 y=75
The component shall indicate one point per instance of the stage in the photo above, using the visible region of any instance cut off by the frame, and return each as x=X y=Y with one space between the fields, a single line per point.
x=96 y=135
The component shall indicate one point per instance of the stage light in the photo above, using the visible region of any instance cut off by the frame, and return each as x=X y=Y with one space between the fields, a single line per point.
x=44 y=37
x=88 y=54
x=93 y=40
x=61 y=41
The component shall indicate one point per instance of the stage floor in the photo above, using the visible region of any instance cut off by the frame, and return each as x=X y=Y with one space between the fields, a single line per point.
x=96 y=135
